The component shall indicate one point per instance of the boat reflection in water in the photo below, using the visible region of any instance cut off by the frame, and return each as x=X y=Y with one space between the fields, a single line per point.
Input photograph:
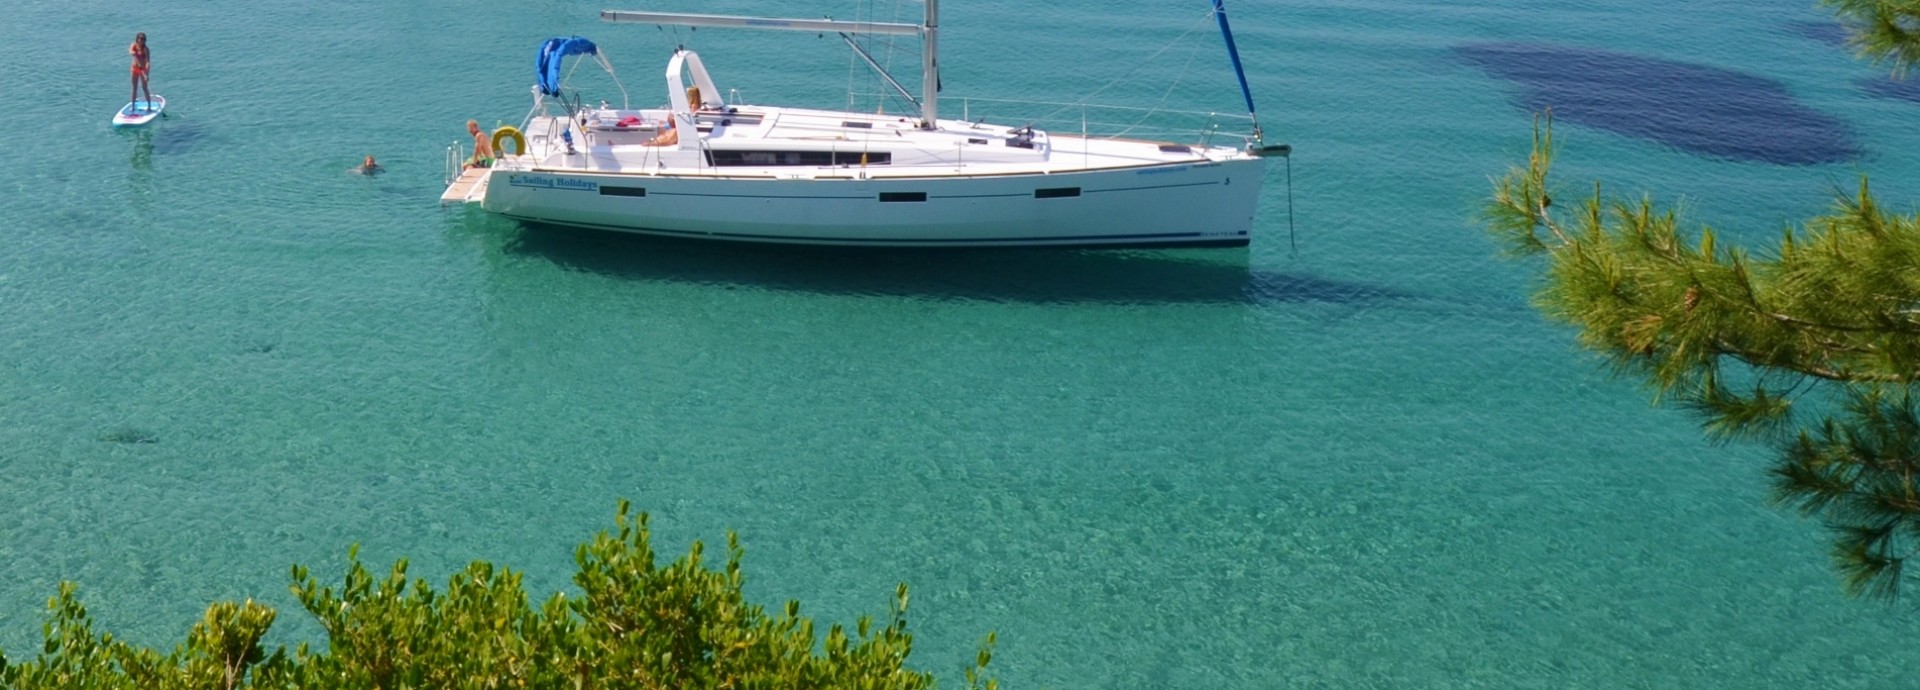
x=989 y=275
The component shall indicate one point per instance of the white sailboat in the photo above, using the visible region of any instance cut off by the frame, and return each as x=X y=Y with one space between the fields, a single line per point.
x=704 y=167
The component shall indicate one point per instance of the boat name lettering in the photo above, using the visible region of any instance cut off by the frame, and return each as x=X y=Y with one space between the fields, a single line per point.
x=1164 y=171
x=545 y=182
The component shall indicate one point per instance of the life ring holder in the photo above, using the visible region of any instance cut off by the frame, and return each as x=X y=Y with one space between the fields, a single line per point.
x=509 y=132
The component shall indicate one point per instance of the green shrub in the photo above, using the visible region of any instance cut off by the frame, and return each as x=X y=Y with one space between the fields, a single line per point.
x=635 y=625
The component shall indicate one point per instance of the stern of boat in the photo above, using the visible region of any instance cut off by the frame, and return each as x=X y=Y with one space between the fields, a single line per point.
x=464 y=185
x=469 y=188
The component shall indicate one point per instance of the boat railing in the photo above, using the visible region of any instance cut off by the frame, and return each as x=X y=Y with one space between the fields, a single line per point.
x=1098 y=121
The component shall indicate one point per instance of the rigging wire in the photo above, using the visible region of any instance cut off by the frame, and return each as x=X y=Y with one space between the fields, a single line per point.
x=860 y=10
x=895 y=18
x=852 y=64
x=880 y=93
x=570 y=71
x=1204 y=19
x=873 y=80
x=852 y=61
x=1192 y=53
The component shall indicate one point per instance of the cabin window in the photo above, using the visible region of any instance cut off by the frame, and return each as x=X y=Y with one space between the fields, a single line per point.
x=606 y=190
x=857 y=125
x=801 y=158
x=1056 y=193
x=1175 y=148
x=891 y=197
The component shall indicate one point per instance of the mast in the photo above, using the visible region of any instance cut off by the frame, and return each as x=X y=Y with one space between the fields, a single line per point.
x=930 y=68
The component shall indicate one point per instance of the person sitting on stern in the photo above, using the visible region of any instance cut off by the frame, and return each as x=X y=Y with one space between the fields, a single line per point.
x=482 y=147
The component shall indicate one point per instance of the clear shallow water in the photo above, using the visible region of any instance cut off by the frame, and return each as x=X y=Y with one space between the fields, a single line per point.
x=1364 y=463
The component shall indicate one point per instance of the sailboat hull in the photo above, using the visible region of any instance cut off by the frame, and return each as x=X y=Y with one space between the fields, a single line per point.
x=1209 y=203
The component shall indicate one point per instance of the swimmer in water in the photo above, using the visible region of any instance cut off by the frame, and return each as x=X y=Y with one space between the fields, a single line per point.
x=368 y=168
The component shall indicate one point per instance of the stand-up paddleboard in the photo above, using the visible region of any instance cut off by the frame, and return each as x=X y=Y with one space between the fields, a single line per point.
x=140 y=112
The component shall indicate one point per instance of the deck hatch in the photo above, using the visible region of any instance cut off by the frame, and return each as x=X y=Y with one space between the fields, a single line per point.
x=609 y=190
x=1175 y=148
x=1056 y=193
x=857 y=125
x=892 y=197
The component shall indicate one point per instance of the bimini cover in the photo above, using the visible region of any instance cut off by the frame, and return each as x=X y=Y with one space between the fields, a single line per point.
x=547 y=70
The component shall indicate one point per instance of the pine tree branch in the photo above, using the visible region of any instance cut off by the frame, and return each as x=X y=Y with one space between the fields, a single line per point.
x=1837 y=310
x=1885 y=31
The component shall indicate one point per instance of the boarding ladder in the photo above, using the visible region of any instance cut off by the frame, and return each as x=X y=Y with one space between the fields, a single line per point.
x=464 y=186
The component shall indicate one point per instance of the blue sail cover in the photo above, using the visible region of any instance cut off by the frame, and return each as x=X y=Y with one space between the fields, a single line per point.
x=547 y=70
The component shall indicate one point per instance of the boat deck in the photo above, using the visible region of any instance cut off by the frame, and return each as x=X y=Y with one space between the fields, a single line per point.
x=469 y=189
x=790 y=143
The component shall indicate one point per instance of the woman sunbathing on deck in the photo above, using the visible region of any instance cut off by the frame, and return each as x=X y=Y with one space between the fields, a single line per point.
x=671 y=137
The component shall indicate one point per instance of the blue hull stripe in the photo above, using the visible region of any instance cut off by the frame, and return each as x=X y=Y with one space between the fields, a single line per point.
x=757 y=196
x=1157 y=238
x=657 y=192
x=1164 y=186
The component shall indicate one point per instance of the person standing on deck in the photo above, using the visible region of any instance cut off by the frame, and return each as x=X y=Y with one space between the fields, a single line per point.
x=142 y=64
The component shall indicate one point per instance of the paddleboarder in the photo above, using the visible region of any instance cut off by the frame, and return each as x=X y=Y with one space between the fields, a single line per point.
x=142 y=64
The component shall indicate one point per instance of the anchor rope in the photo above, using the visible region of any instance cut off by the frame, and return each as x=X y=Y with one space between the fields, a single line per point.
x=1293 y=247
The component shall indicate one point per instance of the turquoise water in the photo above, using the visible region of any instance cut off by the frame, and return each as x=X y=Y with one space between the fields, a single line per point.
x=1362 y=463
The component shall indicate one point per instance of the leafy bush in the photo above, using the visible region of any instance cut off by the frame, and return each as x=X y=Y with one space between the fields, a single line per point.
x=635 y=625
